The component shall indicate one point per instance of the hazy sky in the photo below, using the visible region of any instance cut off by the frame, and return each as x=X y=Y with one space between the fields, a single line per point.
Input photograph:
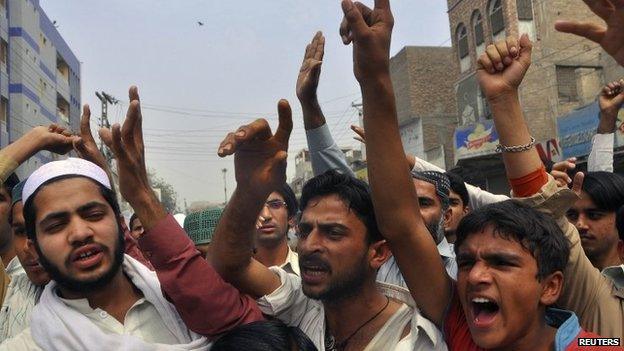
x=199 y=82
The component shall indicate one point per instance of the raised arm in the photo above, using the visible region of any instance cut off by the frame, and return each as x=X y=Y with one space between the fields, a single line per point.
x=260 y=167
x=394 y=196
x=501 y=70
x=324 y=152
x=53 y=138
x=611 y=36
x=610 y=100
x=478 y=196
x=188 y=280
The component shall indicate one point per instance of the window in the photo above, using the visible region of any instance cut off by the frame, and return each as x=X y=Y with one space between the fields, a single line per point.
x=462 y=41
x=525 y=10
x=4 y=111
x=62 y=108
x=4 y=49
x=477 y=26
x=566 y=83
x=497 y=20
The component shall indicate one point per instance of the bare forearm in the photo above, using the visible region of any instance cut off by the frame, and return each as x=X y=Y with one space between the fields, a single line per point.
x=148 y=209
x=386 y=183
x=396 y=203
x=312 y=114
x=232 y=246
x=607 y=122
x=512 y=131
x=22 y=149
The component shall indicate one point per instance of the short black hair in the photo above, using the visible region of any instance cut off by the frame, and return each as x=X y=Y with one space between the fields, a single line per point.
x=619 y=222
x=459 y=187
x=132 y=218
x=353 y=192
x=605 y=189
x=290 y=199
x=264 y=336
x=30 y=211
x=535 y=231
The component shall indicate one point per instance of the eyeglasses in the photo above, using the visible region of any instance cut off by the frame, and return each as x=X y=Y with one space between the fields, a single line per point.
x=275 y=204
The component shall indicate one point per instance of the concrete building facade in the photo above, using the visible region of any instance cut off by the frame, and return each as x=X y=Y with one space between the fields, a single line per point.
x=39 y=76
x=566 y=74
x=423 y=80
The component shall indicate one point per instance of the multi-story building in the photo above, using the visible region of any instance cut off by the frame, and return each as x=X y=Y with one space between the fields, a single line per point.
x=39 y=76
x=423 y=80
x=303 y=166
x=566 y=74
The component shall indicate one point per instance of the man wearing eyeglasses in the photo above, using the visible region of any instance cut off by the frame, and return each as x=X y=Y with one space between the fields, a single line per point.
x=274 y=221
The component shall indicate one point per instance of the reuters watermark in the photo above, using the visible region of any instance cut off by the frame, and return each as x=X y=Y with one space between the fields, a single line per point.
x=598 y=342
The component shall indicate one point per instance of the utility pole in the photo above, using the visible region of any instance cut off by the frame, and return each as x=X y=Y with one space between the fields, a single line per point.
x=105 y=99
x=224 y=171
x=360 y=110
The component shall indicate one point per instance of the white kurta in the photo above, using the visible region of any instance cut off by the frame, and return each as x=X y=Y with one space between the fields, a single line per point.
x=21 y=297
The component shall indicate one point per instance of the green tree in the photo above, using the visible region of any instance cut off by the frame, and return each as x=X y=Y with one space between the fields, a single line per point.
x=168 y=195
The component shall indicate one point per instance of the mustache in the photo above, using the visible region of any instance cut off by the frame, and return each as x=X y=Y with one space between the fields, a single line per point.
x=313 y=260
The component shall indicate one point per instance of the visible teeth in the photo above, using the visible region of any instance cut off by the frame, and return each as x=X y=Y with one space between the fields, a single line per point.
x=480 y=300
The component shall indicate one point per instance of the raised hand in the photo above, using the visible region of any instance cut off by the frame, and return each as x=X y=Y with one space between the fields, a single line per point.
x=308 y=79
x=361 y=134
x=503 y=65
x=370 y=30
x=126 y=142
x=259 y=155
x=610 y=100
x=577 y=183
x=85 y=146
x=610 y=38
x=53 y=138
x=560 y=171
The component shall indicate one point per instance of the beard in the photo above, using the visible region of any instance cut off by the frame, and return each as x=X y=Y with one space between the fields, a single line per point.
x=344 y=285
x=436 y=229
x=85 y=286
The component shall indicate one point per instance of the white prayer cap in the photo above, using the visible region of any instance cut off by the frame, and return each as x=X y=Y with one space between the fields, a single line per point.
x=70 y=166
x=180 y=217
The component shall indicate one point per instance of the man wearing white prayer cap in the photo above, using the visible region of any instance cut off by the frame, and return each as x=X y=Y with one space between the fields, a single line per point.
x=99 y=298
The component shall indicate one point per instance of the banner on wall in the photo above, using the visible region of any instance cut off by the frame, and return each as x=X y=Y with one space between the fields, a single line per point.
x=475 y=140
x=576 y=130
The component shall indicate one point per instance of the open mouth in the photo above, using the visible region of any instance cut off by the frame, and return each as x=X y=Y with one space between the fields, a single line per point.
x=87 y=256
x=484 y=311
x=313 y=269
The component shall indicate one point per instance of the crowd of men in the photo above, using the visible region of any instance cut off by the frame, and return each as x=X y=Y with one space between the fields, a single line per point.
x=416 y=259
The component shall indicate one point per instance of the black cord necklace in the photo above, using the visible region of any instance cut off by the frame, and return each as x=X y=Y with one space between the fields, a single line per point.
x=333 y=345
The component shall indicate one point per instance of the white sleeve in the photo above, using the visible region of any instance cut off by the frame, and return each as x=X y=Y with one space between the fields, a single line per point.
x=601 y=155
x=478 y=197
x=287 y=303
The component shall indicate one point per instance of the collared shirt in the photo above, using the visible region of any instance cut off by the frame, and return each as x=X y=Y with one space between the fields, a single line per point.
x=595 y=298
x=141 y=320
x=289 y=304
x=391 y=274
x=616 y=274
x=291 y=265
x=4 y=281
x=21 y=297
x=14 y=267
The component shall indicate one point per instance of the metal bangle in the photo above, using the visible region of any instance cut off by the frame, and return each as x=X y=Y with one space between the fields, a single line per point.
x=516 y=148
